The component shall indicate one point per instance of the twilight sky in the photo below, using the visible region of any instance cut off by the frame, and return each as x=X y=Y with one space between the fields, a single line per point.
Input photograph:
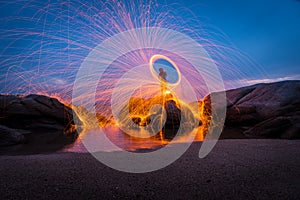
x=268 y=31
x=43 y=43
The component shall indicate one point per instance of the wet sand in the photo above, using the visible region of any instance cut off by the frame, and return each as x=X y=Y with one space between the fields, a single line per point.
x=235 y=169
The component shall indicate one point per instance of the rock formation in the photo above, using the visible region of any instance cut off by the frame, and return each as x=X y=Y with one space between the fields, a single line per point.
x=268 y=110
x=175 y=120
x=35 y=120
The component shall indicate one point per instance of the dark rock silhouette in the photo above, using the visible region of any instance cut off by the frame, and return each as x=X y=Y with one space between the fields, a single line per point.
x=173 y=115
x=268 y=110
x=10 y=136
x=173 y=120
x=36 y=120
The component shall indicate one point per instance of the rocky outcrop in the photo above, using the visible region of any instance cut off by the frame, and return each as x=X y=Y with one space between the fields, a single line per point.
x=173 y=120
x=35 y=119
x=173 y=115
x=269 y=110
x=10 y=136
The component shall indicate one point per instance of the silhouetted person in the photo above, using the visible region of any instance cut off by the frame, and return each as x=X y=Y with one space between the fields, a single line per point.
x=163 y=80
x=162 y=74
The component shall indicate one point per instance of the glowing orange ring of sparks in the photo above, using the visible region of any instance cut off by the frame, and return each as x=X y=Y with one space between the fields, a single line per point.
x=154 y=73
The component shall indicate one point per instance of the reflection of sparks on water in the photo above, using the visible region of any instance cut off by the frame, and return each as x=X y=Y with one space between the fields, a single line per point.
x=121 y=140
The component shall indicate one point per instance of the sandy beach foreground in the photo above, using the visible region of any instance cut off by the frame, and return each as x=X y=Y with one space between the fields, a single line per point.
x=235 y=169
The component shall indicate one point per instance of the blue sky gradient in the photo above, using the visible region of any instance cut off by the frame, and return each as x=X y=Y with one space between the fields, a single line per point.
x=40 y=43
x=268 y=31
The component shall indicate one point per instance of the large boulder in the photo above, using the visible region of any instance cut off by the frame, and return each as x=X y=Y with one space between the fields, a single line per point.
x=268 y=110
x=10 y=136
x=173 y=115
x=179 y=120
x=263 y=101
x=35 y=119
x=285 y=127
